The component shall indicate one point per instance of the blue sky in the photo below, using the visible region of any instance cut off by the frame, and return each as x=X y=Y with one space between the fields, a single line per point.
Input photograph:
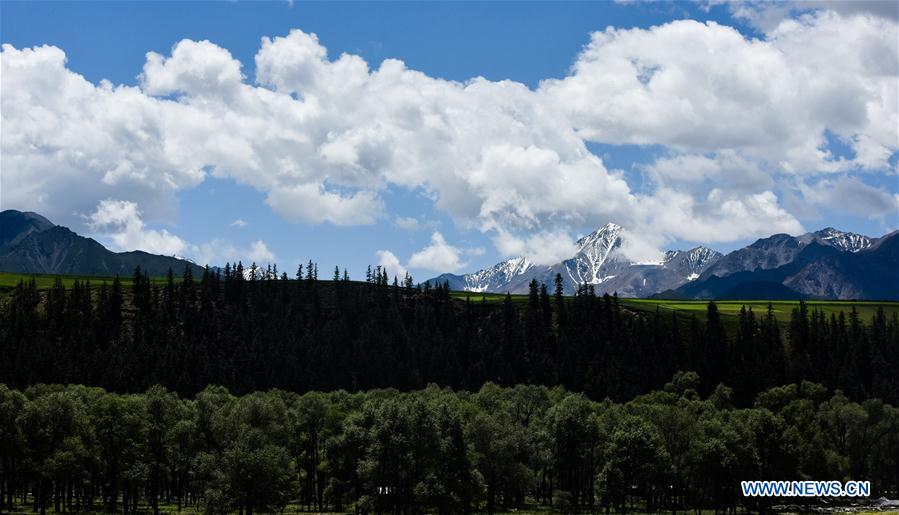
x=522 y=42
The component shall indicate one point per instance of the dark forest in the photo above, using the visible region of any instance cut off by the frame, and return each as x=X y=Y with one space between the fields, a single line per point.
x=385 y=396
x=326 y=334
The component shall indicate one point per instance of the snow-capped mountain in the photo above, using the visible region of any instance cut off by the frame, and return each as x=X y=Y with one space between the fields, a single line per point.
x=780 y=249
x=826 y=264
x=598 y=262
x=691 y=263
x=845 y=241
x=493 y=278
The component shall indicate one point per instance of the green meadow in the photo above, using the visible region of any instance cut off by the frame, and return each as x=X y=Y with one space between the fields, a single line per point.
x=727 y=308
x=8 y=280
x=781 y=308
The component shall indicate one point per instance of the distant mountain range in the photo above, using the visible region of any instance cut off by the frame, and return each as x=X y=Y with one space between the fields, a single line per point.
x=29 y=243
x=598 y=261
x=827 y=264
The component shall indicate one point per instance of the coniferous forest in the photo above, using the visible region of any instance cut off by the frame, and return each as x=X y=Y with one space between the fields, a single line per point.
x=206 y=393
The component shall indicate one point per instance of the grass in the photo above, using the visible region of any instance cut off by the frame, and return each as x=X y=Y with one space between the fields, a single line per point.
x=781 y=308
x=9 y=280
x=729 y=309
x=488 y=297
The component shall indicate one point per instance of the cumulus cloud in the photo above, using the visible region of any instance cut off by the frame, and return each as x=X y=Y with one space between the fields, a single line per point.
x=542 y=248
x=704 y=87
x=311 y=203
x=439 y=256
x=120 y=220
x=239 y=222
x=637 y=249
x=259 y=252
x=694 y=171
x=324 y=137
x=719 y=217
x=850 y=195
x=219 y=251
x=767 y=14
x=195 y=67
x=391 y=263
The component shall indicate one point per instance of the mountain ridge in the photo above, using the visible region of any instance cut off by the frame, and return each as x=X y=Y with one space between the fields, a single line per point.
x=598 y=262
x=767 y=266
x=29 y=243
x=819 y=271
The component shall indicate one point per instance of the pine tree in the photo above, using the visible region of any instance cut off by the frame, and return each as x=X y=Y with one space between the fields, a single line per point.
x=559 y=297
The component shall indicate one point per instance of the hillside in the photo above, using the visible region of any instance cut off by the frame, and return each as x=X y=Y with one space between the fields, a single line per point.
x=793 y=270
x=598 y=262
x=29 y=243
x=826 y=264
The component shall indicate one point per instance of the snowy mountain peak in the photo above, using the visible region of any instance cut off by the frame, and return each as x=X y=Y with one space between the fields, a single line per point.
x=845 y=241
x=598 y=261
x=699 y=257
x=514 y=266
x=501 y=273
x=605 y=238
x=690 y=263
x=592 y=264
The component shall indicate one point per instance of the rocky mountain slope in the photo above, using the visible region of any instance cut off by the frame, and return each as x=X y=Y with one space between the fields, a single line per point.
x=828 y=264
x=29 y=243
x=598 y=262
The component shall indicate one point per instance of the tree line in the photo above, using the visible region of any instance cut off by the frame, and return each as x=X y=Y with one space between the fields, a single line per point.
x=77 y=448
x=256 y=330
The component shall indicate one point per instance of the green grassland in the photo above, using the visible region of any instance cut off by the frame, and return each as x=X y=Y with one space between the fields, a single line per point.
x=486 y=297
x=9 y=280
x=727 y=308
x=781 y=308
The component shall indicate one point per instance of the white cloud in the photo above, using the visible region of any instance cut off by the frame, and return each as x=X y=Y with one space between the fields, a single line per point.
x=439 y=256
x=311 y=203
x=259 y=253
x=219 y=252
x=638 y=249
x=767 y=14
x=323 y=138
x=542 y=248
x=239 y=222
x=690 y=171
x=704 y=87
x=196 y=67
x=391 y=264
x=719 y=217
x=407 y=223
x=120 y=220
x=850 y=195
